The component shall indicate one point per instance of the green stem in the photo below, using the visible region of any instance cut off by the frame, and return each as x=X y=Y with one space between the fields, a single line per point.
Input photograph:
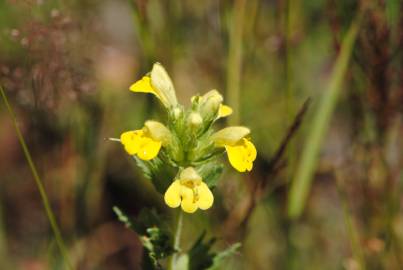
x=39 y=184
x=177 y=239
x=235 y=60
x=301 y=184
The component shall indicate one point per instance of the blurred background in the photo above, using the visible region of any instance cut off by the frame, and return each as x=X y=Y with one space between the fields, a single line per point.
x=66 y=67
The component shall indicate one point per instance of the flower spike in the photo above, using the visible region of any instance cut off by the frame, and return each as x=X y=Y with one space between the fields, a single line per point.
x=188 y=139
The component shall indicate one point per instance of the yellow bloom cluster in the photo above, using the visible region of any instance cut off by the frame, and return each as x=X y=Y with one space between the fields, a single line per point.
x=188 y=130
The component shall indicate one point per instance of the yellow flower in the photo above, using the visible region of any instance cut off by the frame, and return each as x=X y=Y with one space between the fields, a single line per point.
x=240 y=151
x=190 y=192
x=139 y=143
x=159 y=84
x=241 y=155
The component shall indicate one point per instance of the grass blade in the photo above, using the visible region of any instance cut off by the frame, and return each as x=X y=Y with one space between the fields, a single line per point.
x=234 y=63
x=303 y=178
x=39 y=184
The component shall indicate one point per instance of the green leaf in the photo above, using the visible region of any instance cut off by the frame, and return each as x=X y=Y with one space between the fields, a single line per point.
x=160 y=172
x=220 y=257
x=154 y=235
x=211 y=173
x=200 y=256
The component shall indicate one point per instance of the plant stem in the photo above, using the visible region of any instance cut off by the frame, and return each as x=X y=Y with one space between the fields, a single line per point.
x=177 y=239
x=39 y=184
x=301 y=184
x=235 y=60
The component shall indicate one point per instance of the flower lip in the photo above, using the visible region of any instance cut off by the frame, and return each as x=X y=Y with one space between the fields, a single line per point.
x=241 y=155
x=138 y=143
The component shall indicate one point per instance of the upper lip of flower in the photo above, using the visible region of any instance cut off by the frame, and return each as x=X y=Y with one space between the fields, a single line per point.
x=230 y=135
x=158 y=83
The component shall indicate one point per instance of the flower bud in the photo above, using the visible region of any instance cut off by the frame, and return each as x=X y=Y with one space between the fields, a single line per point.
x=210 y=103
x=195 y=120
x=162 y=82
x=176 y=112
x=157 y=131
x=230 y=135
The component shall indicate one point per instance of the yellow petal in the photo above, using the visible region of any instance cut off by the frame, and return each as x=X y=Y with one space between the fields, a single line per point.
x=236 y=157
x=188 y=205
x=131 y=141
x=224 y=111
x=242 y=155
x=250 y=149
x=143 y=86
x=172 y=195
x=149 y=148
x=206 y=198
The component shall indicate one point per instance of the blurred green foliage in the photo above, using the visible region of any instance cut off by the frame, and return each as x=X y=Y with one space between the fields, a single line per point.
x=66 y=67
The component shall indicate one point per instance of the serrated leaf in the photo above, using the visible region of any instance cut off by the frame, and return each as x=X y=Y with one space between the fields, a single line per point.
x=221 y=256
x=144 y=166
x=160 y=172
x=200 y=255
x=154 y=235
x=211 y=173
